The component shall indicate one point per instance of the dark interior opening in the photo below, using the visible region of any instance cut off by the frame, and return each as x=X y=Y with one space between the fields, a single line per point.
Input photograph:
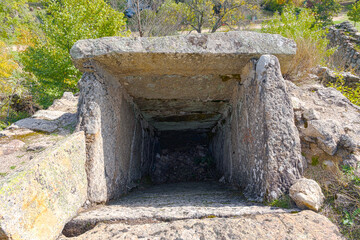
x=183 y=156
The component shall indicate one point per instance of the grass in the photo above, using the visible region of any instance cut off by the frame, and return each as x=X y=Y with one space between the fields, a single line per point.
x=315 y=160
x=341 y=188
x=343 y=18
x=3 y=174
x=12 y=167
x=283 y=202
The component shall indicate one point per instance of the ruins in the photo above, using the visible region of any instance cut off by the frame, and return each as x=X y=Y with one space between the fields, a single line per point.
x=226 y=87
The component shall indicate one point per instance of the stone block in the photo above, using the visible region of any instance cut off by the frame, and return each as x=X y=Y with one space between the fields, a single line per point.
x=37 y=202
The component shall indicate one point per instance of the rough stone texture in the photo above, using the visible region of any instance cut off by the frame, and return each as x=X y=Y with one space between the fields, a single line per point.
x=120 y=144
x=170 y=202
x=60 y=117
x=303 y=225
x=202 y=54
x=335 y=134
x=327 y=76
x=36 y=202
x=345 y=37
x=134 y=89
x=258 y=147
x=307 y=194
x=179 y=82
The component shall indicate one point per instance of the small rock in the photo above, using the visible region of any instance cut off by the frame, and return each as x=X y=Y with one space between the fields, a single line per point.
x=311 y=114
x=307 y=194
x=222 y=179
x=328 y=164
x=348 y=143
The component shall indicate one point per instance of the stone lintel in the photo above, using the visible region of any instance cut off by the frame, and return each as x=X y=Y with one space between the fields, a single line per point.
x=218 y=53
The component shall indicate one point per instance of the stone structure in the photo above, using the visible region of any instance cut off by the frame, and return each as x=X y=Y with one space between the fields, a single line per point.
x=346 y=39
x=135 y=90
x=36 y=202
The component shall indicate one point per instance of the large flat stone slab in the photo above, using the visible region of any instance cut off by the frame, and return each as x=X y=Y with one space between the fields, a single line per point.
x=303 y=225
x=218 y=53
x=207 y=210
x=36 y=202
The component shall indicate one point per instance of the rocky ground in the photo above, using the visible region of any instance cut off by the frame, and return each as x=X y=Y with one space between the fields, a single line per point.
x=207 y=210
x=192 y=163
x=26 y=138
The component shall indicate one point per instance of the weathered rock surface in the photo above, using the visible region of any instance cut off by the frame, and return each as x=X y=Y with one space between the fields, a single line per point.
x=204 y=210
x=307 y=194
x=59 y=117
x=345 y=37
x=303 y=225
x=134 y=89
x=202 y=54
x=327 y=76
x=37 y=201
x=24 y=140
x=258 y=146
x=335 y=133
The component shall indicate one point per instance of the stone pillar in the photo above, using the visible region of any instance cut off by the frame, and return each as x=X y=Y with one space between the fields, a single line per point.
x=259 y=140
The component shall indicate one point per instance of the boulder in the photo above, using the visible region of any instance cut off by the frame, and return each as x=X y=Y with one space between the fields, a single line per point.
x=307 y=194
x=326 y=132
x=36 y=203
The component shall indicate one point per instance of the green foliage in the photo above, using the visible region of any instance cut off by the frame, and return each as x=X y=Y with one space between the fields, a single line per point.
x=350 y=173
x=315 y=160
x=324 y=10
x=13 y=14
x=309 y=37
x=283 y=202
x=352 y=93
x=278 y=5
x=63 y=23
x=354 y=13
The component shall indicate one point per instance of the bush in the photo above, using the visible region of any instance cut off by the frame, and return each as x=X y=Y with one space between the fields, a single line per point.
x=324 y=10
x=354 y=13
x=63 y=23
x=353 y=94
x=309 y=37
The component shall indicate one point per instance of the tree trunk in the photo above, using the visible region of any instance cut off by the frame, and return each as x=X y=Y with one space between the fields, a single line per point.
x=139 y=18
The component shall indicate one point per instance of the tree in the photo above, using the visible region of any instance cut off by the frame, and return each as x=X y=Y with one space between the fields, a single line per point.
x=155 y=17
x=216 y=13
x=324 y=10
x=354 y=13
x=63 y=23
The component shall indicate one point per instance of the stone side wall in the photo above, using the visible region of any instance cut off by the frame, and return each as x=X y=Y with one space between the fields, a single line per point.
x=120 y=144
x=257 y=147
x=345 y=37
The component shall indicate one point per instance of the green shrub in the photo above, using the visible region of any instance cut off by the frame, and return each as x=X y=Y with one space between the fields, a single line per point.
x=63 y=23
x=352 y=93
x=354 y=13
x=309 y=37
x=324 y=10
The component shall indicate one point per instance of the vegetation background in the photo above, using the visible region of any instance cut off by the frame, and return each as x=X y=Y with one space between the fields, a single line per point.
x=36 y=37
